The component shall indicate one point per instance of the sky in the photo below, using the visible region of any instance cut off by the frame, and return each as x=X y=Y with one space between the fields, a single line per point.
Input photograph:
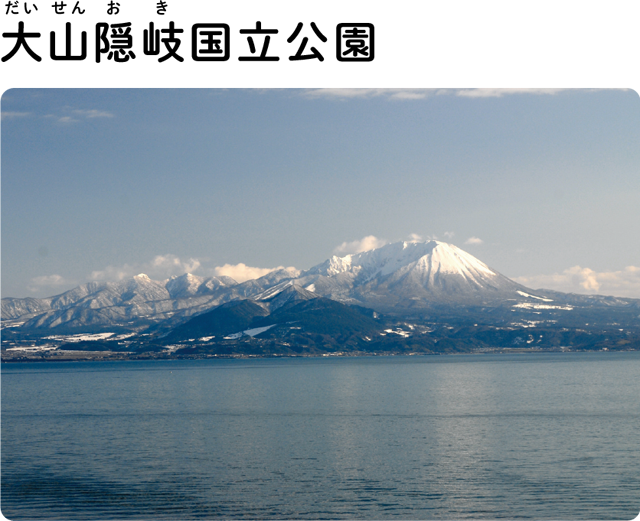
x=541 y=185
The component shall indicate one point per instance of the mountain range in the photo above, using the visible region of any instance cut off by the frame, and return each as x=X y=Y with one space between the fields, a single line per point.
x=425 y=282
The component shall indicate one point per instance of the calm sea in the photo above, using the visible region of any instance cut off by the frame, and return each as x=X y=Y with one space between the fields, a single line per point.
x=552 y=436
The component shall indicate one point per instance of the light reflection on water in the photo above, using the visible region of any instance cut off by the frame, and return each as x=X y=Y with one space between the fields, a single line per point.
x=493 y=436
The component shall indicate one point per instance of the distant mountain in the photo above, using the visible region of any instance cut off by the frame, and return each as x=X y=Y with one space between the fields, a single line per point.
x=132 y=304
x=238 y=315
x=409 y=275
x=404 y=279
x=226 y=319
x=189 y=285
x=321 y=316
x=292 y=321
x=129 y=303
x=284 y=294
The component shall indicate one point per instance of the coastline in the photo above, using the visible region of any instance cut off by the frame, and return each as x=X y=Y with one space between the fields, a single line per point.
x=114 y=356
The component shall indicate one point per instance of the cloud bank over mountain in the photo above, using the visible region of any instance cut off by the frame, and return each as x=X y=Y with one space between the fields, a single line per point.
x=161 y=267
x=621 y=283
x=370 y=242
x=48 y=281
x=241 y=272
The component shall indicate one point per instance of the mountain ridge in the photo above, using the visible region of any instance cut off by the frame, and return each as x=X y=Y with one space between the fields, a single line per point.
x=430 y=272
x=399 y=279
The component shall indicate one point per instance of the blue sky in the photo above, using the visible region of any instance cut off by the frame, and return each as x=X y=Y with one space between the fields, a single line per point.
x=512 y=130
x=543 y=186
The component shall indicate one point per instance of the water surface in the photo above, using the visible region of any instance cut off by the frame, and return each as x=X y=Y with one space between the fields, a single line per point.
x=551 y=436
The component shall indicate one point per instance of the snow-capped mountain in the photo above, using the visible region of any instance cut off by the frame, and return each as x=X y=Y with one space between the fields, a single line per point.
x=409 y=274
x=398 y=279
x=189 y=285
x=284 y=293
x=134 y=303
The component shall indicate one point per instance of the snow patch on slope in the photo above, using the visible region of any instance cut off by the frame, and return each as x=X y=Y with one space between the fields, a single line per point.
x=530 y=305
x=533 y=296
x=80 y=338
x=249 y=332
x=273 y=291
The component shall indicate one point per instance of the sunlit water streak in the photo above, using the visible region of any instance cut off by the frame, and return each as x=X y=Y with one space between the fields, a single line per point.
x=455 y=437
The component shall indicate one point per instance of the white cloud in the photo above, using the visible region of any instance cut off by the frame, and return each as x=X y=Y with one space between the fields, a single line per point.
x=407 y=95
x=47 y=281
x=623 y=283
x=71 y=115
x=113 y=273
x=480 y=93
x=367 y=243
x=241 y=272
x=501 y=93
x=449 y=235
x=162 y=267
x=93 y=113
x=159 y=268
x=10 y=115
x=414 y=237
x=474 y=241
x=414 y=94
x=170 y=264
x=338 y=93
